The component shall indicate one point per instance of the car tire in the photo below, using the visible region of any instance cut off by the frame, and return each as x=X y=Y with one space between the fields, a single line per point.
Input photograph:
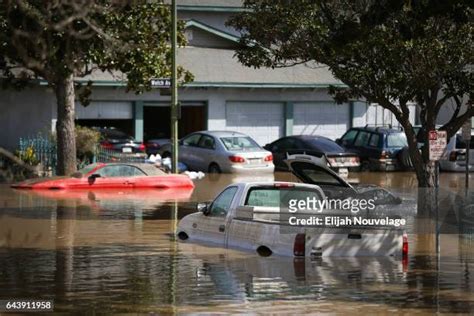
x=405 y=159
x=214 y=168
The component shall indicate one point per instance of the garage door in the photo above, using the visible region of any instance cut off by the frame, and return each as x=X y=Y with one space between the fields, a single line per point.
x=321 y=118
x=263 y=121
x=104 y=110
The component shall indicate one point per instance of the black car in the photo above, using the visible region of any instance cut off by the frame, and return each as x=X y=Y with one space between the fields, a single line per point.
x=379 y=148
x=115 y=140
x=337 y=157
x=153 y=146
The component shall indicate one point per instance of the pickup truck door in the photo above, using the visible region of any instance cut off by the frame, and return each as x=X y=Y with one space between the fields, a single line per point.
x=213 y=225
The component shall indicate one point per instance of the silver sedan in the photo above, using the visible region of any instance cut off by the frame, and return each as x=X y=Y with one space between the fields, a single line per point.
x=221 y=151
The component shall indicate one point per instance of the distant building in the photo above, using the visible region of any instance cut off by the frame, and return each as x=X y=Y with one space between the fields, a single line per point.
x=264 y=103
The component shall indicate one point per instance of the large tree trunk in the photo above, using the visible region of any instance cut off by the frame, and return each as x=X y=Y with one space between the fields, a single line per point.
x=66 y=136
x=425 y=171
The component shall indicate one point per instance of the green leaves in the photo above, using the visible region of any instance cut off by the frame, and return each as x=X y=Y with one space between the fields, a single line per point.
x=57 y=38
x=386 y=49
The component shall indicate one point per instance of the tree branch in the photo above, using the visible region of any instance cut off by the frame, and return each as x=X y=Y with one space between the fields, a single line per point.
x=456 y=122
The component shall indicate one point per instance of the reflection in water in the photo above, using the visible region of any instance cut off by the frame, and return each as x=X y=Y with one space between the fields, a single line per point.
x=109 y=253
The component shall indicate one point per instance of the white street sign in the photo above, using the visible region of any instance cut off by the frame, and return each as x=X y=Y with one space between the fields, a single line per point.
x=437 y=144
x=161 y=83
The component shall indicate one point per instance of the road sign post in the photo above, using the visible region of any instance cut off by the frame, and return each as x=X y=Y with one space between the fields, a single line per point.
x=174 y=88
x=466 y=136
x=437 y=148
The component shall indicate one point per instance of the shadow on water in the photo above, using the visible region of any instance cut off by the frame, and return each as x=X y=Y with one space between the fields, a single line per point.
x=110 y=253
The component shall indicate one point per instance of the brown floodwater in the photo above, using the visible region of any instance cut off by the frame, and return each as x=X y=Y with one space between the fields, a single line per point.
x=113 y=252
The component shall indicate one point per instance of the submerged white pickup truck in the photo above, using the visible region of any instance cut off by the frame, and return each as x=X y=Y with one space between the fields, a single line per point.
x=249 y=216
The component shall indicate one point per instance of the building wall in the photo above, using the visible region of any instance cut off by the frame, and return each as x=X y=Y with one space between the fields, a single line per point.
x=25 y=113
x=31 y=111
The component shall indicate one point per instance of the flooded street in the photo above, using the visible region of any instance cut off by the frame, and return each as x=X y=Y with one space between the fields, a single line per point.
x=114 y=252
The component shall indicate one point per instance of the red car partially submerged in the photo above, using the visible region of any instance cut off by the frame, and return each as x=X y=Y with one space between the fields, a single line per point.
x=111 y=175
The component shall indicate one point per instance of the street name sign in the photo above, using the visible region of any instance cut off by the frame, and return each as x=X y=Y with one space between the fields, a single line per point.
x=161 y=83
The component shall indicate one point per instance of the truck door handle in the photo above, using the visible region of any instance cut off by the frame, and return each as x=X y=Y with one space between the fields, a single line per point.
x=222 y=228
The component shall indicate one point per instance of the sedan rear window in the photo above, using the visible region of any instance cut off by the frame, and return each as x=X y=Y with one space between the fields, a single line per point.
x=325 y=145
x=396 y=140
x=239 y=143
x=115 y=134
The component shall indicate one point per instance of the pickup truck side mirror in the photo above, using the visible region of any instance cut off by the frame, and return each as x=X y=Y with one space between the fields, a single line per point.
x=94 y=176
x=204 y=208
x=338 y=141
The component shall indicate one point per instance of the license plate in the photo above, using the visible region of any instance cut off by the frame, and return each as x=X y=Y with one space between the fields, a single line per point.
x=126 y=149
x=254 y=161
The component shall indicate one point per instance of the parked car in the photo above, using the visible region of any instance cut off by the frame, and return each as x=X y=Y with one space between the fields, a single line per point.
x=338 y=158
x=455 y=157
x=111 y=175
x=153 y=145
x=378 y=147
x=119 y=141
x=221 y=151
x=248 y=216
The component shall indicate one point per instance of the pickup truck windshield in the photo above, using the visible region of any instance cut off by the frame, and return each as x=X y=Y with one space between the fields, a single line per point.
x=276 y=197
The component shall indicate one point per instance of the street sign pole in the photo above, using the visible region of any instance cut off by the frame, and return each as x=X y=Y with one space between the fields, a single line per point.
x=174 y=89
x=437 y=142
x=466 y=137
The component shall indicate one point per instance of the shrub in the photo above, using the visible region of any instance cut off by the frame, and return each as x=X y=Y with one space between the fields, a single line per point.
x=87 y=140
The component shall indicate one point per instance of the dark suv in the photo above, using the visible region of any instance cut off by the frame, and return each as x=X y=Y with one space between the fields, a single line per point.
x=377 y=147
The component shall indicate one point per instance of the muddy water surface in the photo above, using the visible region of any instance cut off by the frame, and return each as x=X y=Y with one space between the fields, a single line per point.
x=113 y=252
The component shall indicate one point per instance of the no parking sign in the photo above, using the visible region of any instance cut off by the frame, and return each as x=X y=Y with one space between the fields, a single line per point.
x=437 y=144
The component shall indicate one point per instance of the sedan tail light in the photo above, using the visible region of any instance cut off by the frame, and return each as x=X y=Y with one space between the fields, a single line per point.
x=332 y=161
x=107 y=145
x=141 y=147
x=268 y=158
x=237 y=159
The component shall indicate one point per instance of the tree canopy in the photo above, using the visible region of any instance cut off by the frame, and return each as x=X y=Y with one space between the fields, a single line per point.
x=63 y=40
x=386 y=51
x=51 y=39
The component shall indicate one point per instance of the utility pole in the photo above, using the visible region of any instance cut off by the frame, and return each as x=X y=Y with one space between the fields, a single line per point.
x=174 y=88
